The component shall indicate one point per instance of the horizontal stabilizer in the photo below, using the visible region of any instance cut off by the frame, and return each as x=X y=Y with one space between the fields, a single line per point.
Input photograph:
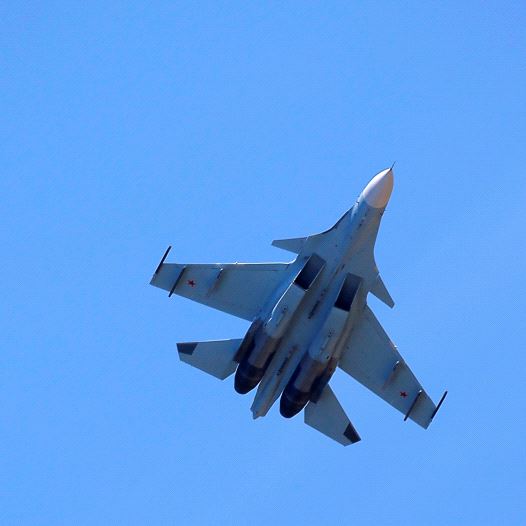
x=292 y=245
x=329 y=418
x=380 y=291
x=212 y=357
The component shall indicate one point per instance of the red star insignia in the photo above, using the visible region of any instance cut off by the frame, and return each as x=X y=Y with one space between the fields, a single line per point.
x=191 y=282
x=403 y=394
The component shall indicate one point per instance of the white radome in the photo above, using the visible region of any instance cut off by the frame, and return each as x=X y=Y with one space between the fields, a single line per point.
x=378 y=191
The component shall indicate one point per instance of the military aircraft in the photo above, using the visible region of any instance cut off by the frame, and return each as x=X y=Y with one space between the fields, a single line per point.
x=307 y=317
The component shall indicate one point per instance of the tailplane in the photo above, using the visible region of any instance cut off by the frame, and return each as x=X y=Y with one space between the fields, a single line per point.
x=329 y=418
x=214 y=357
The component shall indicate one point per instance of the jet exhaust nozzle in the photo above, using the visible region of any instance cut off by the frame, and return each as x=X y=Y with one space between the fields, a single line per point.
x=292 y=401
x=302 y=385
x=247 y=377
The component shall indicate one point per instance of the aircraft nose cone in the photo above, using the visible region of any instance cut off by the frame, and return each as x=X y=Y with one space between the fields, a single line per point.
x=378 y=191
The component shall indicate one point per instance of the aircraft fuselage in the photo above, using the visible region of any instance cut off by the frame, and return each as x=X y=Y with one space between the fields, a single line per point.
x=296 y=347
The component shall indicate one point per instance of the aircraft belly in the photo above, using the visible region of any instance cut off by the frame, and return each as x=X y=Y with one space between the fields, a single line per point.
x=294 y=344
x=276 y=378
x=308 y=316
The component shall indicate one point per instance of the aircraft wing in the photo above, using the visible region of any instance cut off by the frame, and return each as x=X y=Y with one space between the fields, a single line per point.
x=372 y=358
x=240 y=289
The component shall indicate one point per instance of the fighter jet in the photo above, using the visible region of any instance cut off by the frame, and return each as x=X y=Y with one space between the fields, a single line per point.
x=308 y=317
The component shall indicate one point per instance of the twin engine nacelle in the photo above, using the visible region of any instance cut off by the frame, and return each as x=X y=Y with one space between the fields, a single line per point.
x=319 y=363
x=306 y=384
x=263 y=337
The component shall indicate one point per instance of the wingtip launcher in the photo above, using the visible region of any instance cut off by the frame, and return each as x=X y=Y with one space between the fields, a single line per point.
x=438 y=406
x=162 y=260
x=415 y=401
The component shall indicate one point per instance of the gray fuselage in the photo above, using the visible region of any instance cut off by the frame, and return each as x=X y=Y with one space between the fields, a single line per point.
x=308 y=348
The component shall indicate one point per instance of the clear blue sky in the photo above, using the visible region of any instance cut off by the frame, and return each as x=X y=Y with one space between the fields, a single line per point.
x=217 y=127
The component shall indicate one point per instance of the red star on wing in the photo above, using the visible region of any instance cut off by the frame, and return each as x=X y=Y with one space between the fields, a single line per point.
x=191 y=282
x=403 y=394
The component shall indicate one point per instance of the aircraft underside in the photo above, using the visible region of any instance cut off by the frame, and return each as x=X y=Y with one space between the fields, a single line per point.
x=308 y=317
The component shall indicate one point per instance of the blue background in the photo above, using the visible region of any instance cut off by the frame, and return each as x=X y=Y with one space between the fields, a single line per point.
x=218 y=127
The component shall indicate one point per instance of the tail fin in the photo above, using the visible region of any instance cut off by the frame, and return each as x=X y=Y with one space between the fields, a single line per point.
x=212 y=357
x=329 y=418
